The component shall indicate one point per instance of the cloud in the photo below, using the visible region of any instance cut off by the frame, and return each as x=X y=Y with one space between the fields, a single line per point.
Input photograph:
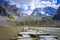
x=25 y=6
x=22 y=2
x=17 y=5
x=42 y=12
x=27 y=12
x=30 y=5
x=56 y=6
x=11 y=2
x=38 y=4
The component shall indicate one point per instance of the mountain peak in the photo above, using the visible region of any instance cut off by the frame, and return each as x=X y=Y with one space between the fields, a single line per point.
x=47 y=11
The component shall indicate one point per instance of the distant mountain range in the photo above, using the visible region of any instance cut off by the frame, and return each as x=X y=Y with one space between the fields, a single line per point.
x=43 y=12
x=39 y=14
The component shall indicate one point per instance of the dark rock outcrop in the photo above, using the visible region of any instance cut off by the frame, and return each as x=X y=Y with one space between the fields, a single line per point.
x=9 y=8
x=3 y=11
x=57 y=15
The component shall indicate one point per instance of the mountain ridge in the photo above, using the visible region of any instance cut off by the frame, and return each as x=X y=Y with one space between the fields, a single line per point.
x=48 y=11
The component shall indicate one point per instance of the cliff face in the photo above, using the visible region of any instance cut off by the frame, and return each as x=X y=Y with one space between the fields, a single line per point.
x=7 y=12
x=57 y=15
x=5 y=7
x=2 y=11
x=13 y=9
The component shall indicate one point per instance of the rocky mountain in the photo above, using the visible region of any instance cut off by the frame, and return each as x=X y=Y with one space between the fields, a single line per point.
x=13 y=9
x=57 y=15
x=38 y=12
x=3 y=11
x=49 y=17
x=44 y=12
x=10 y=8
x=49 y=10
x=8 y=12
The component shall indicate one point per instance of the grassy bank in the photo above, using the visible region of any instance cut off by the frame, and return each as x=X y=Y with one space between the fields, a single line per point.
x=7 y=33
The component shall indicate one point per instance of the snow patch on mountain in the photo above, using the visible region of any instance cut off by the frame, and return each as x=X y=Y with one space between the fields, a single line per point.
x=29 y=5
x=42 y=12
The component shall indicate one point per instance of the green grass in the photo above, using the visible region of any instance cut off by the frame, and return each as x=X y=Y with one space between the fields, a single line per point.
x=7 y=33
x=10 y=16
x=34 y=23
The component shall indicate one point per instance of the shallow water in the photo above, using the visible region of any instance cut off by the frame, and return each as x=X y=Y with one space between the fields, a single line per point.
x=55 y=32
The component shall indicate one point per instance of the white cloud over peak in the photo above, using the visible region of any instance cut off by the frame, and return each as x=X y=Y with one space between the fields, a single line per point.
x=38 y=4
x=42 y=12
x=14 y=3
x=11 y=2
x=25 y=6
x=30 y=5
